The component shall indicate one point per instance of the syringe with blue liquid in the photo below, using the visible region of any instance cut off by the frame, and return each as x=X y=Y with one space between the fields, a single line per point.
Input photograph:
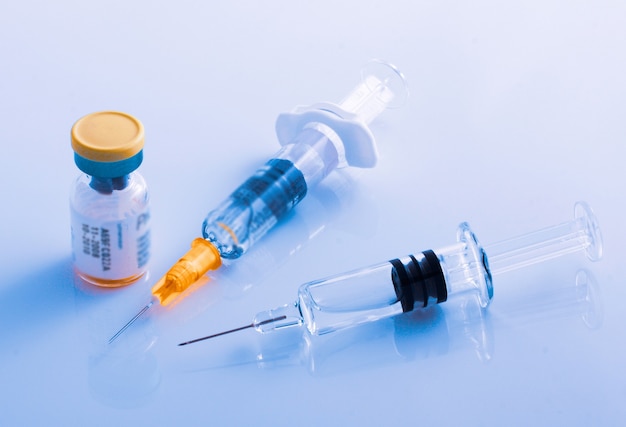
x=315 y=141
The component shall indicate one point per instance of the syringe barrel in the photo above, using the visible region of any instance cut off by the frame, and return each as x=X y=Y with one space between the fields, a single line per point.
x=372 y=293
x=254 y=207
x=268 y=195
x=312 y=151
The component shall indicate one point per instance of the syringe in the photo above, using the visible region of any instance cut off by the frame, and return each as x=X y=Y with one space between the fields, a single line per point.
x=431 y=277
x=316 y=140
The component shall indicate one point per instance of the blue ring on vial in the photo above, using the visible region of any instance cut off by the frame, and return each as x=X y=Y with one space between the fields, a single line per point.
x=108 y=169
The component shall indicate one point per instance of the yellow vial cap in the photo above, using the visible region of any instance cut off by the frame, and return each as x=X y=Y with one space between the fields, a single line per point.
x=107 y=136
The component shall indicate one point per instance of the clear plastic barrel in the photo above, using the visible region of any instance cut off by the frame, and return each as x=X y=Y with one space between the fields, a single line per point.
x=349 y=299
x=314 y=152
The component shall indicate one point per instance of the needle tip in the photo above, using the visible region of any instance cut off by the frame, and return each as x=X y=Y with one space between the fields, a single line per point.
x=130 y=322
x=230 y=331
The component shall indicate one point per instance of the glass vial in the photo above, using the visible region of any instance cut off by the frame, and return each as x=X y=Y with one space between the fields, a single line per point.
x=109 y=201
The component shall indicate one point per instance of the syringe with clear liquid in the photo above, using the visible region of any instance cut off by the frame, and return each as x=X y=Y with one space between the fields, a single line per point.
x=315 y=141
x=430 y=277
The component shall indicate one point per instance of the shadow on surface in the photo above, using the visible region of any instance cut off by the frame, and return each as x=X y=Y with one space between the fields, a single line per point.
x=36 y=300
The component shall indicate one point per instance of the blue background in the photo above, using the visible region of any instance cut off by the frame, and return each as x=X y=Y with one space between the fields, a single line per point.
x=516 y=111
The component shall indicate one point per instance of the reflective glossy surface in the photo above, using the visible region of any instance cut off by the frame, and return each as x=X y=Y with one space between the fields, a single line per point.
x=515 y=113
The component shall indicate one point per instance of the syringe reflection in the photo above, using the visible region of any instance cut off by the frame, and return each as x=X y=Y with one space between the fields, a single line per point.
x=126 y=374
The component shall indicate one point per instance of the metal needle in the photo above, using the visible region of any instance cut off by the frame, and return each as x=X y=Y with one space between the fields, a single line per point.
x=241 y=328
x=130 y=322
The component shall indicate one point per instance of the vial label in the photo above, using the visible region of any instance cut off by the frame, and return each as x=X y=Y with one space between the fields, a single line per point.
x=112 y=250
